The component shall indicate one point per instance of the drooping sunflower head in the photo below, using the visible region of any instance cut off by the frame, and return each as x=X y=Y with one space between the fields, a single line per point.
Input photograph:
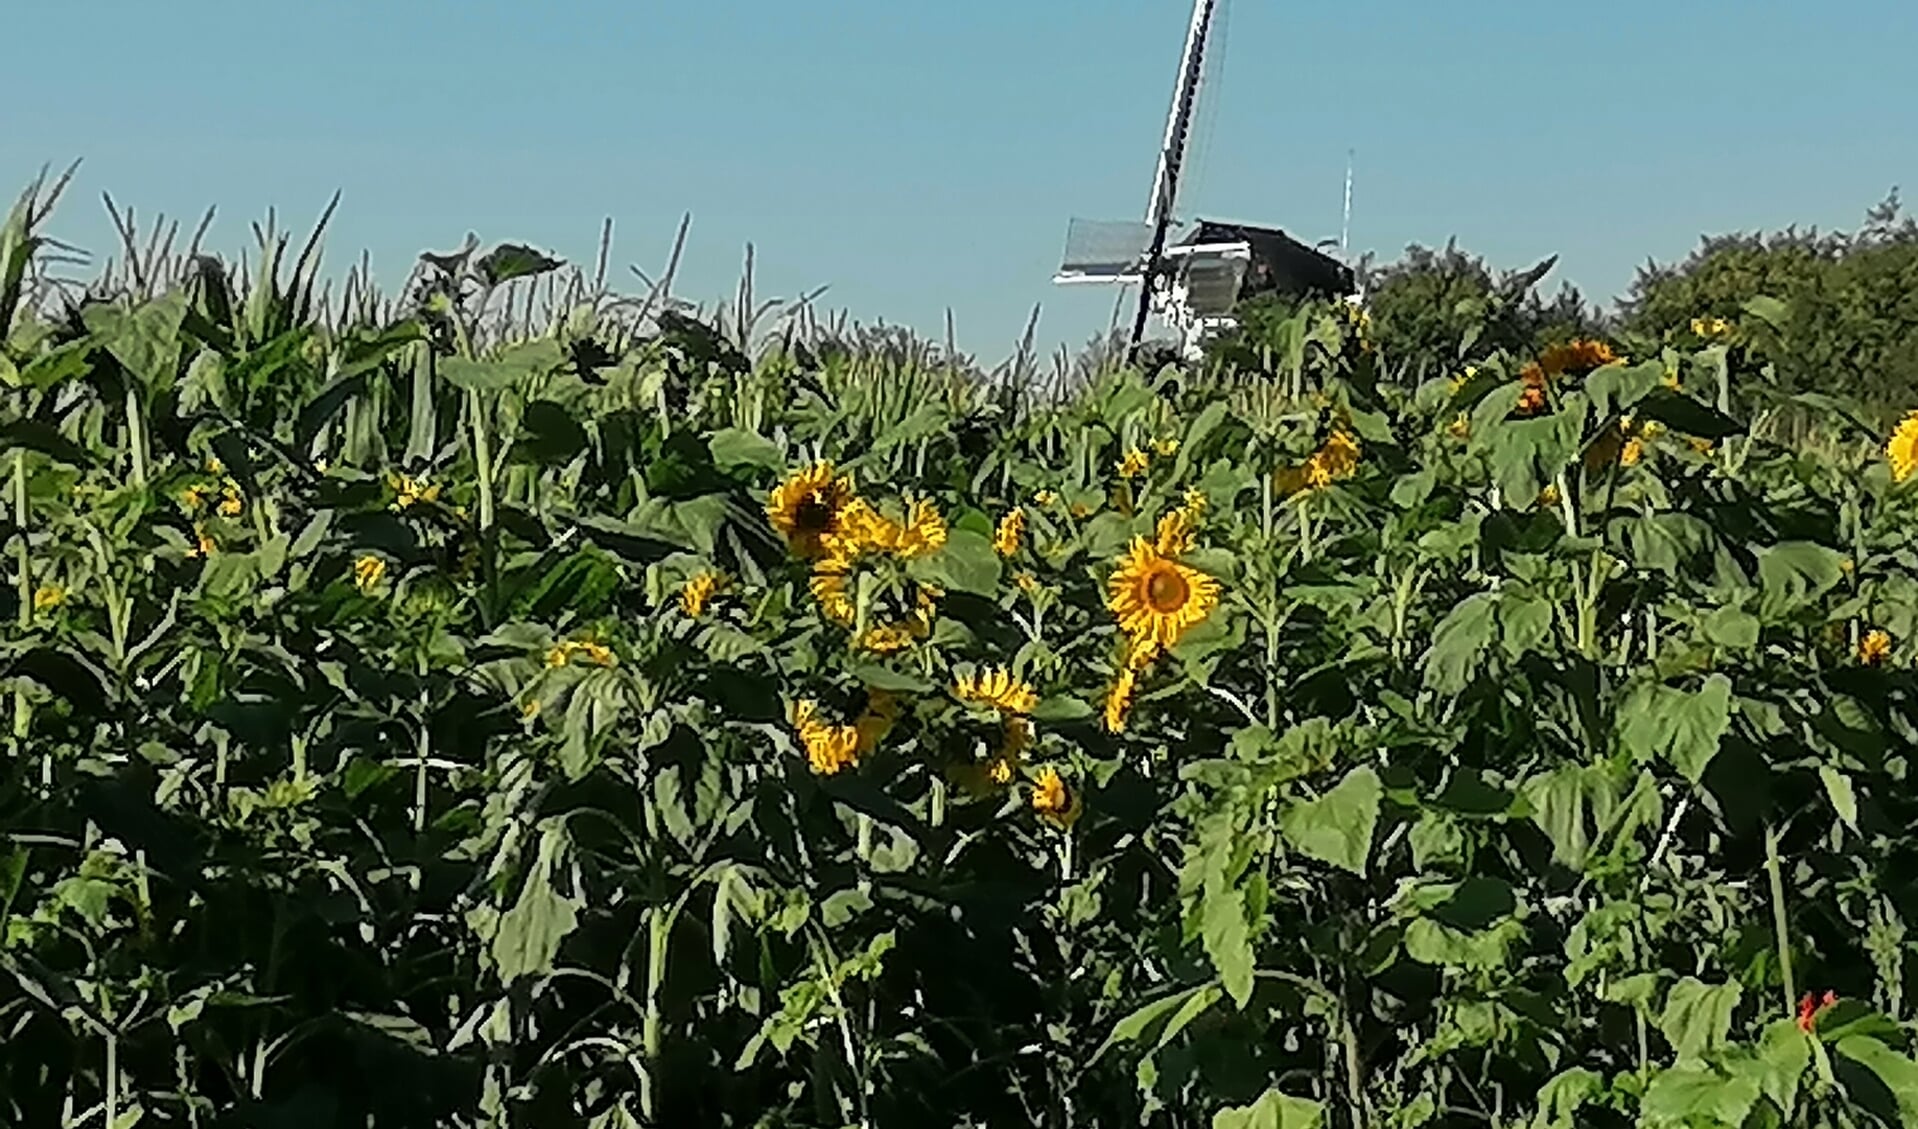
x=1157 y=598
x=996 y=688
x=698 y=592
x=1902 y=449
x=1054 y=801
x=1336 y=458
x=1576 y=357
x=829 y=748
x=806 y=508
x=1012 y=527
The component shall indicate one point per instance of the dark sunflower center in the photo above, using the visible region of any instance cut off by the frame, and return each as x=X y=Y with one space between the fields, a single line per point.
x=813 y=515
x=1166 y=591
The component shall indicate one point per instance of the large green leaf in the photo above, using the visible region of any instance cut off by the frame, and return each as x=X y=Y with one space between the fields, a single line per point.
x=1460 y=641
x=1695 y=1096
x=1677 y=726
x=1698 y=1016
x=1273 y=1110
x=1337 y=827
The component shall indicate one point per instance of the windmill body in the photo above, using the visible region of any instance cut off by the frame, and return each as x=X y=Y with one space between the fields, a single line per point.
x=1193 y=282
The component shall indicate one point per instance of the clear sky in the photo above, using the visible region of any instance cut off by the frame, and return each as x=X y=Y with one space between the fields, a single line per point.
x=916 y=156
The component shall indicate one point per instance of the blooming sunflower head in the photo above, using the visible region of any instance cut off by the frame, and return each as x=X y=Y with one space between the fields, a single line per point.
x=996 y=688
x=1133 y=463
x=48 y=597
x=1155 y=597
x=1053 y=800
x=1902 y=449
x=1875 y=647
x=807 y=507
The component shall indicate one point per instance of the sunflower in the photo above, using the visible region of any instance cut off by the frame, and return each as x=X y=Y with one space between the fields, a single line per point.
x=829 y=586
x=997 y=689
x=698 y=592
x=409 y=491
x=1054 y=801
x=1005 y=540
x=367 y=572
x=1156 y=597
x=829 y=747
x=1119 y=699
x=806 y=508
x=887 y=638
x=924 y=532
x=598 y=654
x=1578 y=356
x=1134 y=463
x=1166 y=447
x=1875 y=647
x=1176 y=533
x=48 y=597
x=1336 y=458
x=1902 y=449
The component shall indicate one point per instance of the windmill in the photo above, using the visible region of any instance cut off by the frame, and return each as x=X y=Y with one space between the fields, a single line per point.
x=1194 y=283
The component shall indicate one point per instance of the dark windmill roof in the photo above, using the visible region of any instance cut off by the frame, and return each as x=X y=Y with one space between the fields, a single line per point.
x=1279 y=262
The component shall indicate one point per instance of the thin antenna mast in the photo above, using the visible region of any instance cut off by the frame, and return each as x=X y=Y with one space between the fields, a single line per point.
x=1165 y=179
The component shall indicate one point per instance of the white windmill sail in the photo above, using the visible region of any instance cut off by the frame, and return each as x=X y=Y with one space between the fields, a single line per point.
x=1192 y=284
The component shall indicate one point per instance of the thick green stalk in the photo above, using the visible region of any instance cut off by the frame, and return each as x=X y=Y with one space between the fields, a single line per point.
x=1781 y=926
x=22 y=708
x=136 y=437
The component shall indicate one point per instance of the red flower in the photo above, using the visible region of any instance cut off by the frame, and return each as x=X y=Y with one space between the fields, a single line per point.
x=1808 y=1009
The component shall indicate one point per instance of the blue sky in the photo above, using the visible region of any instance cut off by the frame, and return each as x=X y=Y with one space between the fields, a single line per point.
x=916 y=156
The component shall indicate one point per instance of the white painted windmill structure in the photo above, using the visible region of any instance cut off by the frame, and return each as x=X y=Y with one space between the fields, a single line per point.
x=1193 y=284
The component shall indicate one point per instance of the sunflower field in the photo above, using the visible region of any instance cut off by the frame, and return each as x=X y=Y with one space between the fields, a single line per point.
x=511 y=705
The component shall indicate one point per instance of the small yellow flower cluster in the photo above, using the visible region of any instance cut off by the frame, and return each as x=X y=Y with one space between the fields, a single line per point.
x=1134 y=463
x=1901 y=450
x=563 y=653
x=48 y=597
x=698 y=592
x=1709 y=327
x=409 y=491
x=1875 y=647
x=368 y=571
